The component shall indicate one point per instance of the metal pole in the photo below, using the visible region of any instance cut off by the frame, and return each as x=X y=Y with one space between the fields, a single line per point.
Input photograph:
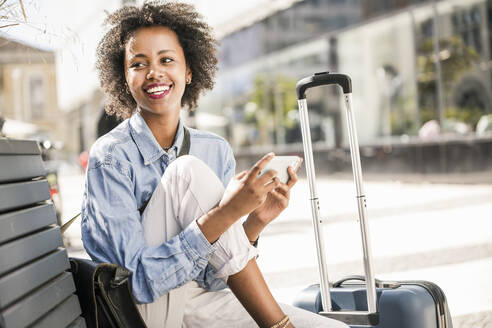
x=279 y=113
x=361 y=203
x=440 y=98
x=437 y=51
x=418 y=122
x=318 y=234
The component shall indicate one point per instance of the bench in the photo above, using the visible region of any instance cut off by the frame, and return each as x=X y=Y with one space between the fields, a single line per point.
x=36 y=288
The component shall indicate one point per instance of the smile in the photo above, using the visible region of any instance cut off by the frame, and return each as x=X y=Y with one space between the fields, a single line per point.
x=158 y=91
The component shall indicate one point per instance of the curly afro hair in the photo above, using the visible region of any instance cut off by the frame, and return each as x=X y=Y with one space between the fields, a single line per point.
x=195 y=36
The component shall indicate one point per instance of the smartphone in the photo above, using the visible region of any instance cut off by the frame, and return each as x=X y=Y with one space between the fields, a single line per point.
x=280 y=165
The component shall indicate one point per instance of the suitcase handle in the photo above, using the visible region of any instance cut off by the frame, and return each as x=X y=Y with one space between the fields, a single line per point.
x=323 y=78
x=340 y=282
x=379 y=283
x=319 y=79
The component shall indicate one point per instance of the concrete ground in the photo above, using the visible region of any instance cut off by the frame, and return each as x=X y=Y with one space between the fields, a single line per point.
x=437 y=232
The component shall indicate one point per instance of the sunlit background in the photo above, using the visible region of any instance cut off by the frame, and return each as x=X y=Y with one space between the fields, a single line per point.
x=422 y=82
x=421 y=72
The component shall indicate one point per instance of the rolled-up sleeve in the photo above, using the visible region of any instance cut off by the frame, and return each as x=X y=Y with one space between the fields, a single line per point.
x=206 y=279
x=112 y=232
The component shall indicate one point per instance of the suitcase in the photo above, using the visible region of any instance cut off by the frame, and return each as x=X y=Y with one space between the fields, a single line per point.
x=357 y=300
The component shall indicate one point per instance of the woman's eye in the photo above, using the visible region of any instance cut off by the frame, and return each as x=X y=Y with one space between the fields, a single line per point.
x=136 y=65
x=166 y=60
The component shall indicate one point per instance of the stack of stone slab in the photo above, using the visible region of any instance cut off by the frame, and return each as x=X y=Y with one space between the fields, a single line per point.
x=36 y=290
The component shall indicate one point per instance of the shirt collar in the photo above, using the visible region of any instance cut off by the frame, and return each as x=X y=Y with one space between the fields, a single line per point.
x=147 y=145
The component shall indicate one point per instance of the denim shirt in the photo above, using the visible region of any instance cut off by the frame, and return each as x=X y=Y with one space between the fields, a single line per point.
x=124 y=169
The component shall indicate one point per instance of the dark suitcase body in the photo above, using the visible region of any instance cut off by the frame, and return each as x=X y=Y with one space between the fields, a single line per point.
x=404 y=304
x=369 y=302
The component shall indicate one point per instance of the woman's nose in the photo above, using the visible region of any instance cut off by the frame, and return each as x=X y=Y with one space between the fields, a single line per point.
x=154 y=74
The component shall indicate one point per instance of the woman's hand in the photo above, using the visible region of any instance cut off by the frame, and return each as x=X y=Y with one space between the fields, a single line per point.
x=246 y=191
x=277 y=200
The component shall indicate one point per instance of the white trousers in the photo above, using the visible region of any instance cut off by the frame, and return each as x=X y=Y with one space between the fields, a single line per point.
x=189 y=189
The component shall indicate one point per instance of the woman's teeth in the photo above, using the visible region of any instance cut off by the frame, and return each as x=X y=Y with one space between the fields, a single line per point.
x=158 y=90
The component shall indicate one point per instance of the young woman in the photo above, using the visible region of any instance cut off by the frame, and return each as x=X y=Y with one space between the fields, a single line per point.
x=155 y=201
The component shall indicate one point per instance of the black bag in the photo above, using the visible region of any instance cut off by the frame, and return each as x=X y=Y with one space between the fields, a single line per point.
x=105 y=295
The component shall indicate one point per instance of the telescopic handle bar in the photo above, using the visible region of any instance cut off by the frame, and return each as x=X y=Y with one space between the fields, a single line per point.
x=319 y=79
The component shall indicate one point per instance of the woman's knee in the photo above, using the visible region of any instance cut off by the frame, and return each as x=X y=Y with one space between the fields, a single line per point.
x=189 y=167
x=189 y=179
x=184 y=164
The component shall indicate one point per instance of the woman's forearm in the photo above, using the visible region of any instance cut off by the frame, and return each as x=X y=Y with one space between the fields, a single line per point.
x=216 y=222
x=252 y=291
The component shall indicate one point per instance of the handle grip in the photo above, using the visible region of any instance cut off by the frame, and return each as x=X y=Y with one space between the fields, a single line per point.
x=340 y=282
x=323 y=78
x=379 y=283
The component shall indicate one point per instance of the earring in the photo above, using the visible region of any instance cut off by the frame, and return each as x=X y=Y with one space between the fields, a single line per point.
x=188 y=81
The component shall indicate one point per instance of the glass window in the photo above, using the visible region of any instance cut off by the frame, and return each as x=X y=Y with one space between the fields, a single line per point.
x=394 y=47
x=36 y=96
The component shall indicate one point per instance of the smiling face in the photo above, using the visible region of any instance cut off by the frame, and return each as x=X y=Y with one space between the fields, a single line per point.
x=156 y=70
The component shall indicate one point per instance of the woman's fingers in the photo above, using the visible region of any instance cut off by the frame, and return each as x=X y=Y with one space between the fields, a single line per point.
x=272 y=185
x=283 y=189
x=256 y=169
x=241 y=175
x=293 y=176
x=280 y=197
x=269 y=175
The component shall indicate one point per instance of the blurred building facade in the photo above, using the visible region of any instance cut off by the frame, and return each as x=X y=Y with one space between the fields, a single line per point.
x=80 y=98
x=389 y=48
x=28 y=94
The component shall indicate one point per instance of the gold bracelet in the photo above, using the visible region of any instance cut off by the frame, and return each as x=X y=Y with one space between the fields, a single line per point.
x=282 y=323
